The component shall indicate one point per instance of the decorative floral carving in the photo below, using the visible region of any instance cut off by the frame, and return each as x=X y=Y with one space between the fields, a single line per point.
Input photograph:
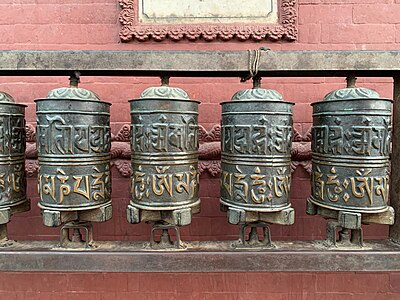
x=214 y=135
x=30 y=133
x=132 y=29
x=307 y=136
x=123 y=166
x=301 y=151
x=123 y=134
x=307 y=165
x=296 y=136
x=31 y=167
x=121 y=150
x=211 y=166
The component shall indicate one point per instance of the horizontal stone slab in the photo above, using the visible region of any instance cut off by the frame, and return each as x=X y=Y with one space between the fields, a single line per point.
x=207 y=256
x=199 y=63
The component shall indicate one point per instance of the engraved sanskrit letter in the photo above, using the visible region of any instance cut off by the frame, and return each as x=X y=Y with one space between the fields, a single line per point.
x=281 y=138
x=241 y=187
x=227 y=181
x=65 y=189
x=227 y=138
x=258 y=194
x=98 y=184
x=281 y=183
x=162 y=181
x=176 y=136
x=138 y=184
x=362 y=140
x=332 y=180
x=183 y=184
x=17 y=135
x=365 y=184
x=318 y=185
x=259 y=139
x=242 y=138
x=159 y=135
x=82 y=190
x=335 y=140
x=191 y=133
x=49 y=188
x=380 y=140
x=81 y=138
x=383 y=188
x=62 y=135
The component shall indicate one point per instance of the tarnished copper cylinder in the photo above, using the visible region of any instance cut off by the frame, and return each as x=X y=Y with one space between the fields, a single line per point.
x=256 y=152
x=73 y=143
x=12 y=153
x=351 y=138
x=164 y=144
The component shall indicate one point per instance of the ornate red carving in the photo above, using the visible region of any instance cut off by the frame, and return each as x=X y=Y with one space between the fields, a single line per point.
x=132 y=29
x=211 y=166
x=214 y=135
x=123 y=166
x=30 y=133
x=123 y=134
x=31 y=167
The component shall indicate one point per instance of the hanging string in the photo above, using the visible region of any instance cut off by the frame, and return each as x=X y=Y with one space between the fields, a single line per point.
x=254 y=63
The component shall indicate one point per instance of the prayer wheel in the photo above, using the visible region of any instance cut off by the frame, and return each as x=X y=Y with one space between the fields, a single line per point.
x=73 y=142
x=12 y=156
x=164 y=145
x=256 y=155
x=351 y=137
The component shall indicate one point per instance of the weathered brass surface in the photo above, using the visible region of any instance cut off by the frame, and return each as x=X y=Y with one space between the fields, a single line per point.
x=13 y=197
x=351 y=138
x=73 y=142
x=12 y=152
x=255 y=161
x=164 y=143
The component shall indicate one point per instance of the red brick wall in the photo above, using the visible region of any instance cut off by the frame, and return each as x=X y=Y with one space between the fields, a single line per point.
x=93 y=24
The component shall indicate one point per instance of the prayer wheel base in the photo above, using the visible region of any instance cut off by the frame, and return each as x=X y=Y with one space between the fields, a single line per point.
x=240 y=216
x=176 y=217
x=54 y=218
x=349 y=224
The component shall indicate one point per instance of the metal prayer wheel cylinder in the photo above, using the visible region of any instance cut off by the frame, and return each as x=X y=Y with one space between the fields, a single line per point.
x=12 y=158
x=164 y=145
x=351 y=138
x=256 y=155
x=73 y=142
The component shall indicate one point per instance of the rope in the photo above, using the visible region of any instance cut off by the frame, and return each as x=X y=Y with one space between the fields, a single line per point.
x=254 y=63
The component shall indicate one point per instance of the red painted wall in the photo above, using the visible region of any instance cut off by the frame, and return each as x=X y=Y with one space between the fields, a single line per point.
x=93 y=24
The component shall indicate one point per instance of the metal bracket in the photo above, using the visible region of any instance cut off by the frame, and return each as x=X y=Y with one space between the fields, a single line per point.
x=165 y=241
x=254 y=241
x=76 y=240
x=347 y=237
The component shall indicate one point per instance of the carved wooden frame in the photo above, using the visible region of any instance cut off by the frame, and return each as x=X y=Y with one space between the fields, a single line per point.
x=286 y=29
